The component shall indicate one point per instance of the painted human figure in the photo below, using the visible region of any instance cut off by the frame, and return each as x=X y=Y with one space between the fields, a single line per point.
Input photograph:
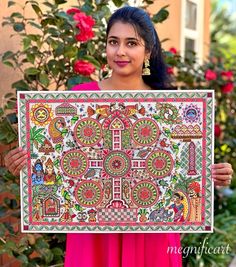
x=50 y=175
x=177 y=207
x=38 y=173
x=195 y=202
x=68 y=215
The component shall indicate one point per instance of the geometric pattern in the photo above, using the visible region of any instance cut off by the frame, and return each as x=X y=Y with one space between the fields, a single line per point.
x=117 y=161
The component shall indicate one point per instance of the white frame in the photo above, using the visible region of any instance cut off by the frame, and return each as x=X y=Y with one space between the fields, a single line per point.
x=196 y=35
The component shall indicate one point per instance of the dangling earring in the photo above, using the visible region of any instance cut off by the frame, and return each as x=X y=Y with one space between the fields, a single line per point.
x=146 y=70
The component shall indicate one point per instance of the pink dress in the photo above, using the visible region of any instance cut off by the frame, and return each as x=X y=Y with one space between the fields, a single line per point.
x=121 y=250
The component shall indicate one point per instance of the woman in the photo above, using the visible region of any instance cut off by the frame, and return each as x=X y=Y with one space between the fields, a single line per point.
x=132 y=45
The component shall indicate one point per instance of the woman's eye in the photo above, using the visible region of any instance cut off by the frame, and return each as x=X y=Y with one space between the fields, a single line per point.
x=112 y=42
x=132 y=43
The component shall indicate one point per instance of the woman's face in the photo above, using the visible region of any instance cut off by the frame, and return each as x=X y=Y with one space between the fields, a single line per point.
x=125 y=50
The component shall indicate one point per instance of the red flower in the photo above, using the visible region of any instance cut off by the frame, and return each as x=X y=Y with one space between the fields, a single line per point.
x=73 y=11
x=227 y=88
x=85 y=24
x=170 y=70
x=84 y=35
x=84 y=20
x=217 y=130
x=227 y=75
x=83 y=67
x=210 y=75
x=173 y=50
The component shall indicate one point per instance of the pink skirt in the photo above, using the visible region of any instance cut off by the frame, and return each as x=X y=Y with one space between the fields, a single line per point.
x=123 y=250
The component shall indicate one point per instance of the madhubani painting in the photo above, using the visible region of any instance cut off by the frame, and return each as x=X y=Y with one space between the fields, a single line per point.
x=117 y=161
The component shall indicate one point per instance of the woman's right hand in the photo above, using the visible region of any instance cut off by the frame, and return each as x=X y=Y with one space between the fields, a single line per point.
x=15 y=160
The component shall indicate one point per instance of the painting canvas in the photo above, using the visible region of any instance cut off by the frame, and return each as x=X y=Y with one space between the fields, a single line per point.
x=117 y=161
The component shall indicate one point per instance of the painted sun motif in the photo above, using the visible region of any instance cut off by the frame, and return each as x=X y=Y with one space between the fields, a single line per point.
x=41 y=114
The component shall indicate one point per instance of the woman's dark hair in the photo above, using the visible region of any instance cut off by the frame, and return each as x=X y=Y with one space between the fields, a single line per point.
x=142 y=23
x=178 y=196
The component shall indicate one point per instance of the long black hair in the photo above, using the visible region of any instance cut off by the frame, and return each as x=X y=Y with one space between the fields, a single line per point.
x=158 y=79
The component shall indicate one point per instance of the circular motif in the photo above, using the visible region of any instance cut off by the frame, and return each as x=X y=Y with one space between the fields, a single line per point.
x=145 y=194
x=191 y=113
x=88 y=132
x=145 y=132
x=160 y=163
x=117 y=164
x=74 y=163
x=88 y=193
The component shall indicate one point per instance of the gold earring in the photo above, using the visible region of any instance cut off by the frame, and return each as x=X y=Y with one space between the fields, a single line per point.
x=146 y=70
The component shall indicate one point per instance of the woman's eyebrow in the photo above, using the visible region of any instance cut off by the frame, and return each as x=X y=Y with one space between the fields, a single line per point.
x=128 y=38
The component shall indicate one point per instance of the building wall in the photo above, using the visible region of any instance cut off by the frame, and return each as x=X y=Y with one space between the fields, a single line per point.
x=170 y=29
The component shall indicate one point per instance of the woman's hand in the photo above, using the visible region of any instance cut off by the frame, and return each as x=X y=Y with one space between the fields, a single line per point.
x=15 y=160
x=222 y=174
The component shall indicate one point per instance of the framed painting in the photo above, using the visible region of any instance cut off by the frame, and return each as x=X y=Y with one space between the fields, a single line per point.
x=117 y=161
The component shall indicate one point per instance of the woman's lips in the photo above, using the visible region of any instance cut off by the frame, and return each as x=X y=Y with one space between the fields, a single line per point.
x=122 y=63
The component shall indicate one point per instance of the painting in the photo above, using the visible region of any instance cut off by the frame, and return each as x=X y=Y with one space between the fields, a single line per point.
x=117 y=161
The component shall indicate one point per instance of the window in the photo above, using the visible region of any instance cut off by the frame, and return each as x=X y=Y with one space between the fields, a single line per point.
x=192 y=28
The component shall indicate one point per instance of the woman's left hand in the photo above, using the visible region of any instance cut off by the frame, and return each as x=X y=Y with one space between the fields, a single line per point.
x=222 y=174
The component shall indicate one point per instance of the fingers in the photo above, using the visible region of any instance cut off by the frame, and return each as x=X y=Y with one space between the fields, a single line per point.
x=15 y=160
x=19 y=166
x=222 y=183
x=222 y=174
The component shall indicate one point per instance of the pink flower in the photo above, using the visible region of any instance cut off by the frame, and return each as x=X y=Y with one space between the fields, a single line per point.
x=83 y=67
x=227 y=88
x=170 y=70
x=173 y=50
x=73 y=11
x=217 y=130
x=227 y=75
x=210 y=75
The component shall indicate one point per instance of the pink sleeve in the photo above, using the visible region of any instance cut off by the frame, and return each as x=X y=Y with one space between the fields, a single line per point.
x=93 y=86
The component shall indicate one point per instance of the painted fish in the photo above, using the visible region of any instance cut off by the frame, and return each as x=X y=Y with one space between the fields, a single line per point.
x=102 y=111
x=131 y=110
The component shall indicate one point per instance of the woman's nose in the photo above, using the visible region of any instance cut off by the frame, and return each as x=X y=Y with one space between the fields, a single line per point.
x=121 y=50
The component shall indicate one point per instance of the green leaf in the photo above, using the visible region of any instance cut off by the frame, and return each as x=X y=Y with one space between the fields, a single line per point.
x=92 y=60
x=7 y=55
x=31 y=71
x=36 y=25
x=8 y=63
x=26 y=43
x=10 y=245
x=8 y=95
x=48 y=5
x=91 y=48
x=37 y=10
x=23 y=258
x=70 y=52
x=63 y=15
x=72 y=81
x=17 y=15
x=20 y=85
x=161 y=15
x=30 y=57
x=59 y=2
x=117 y=3
x=43 y=78
x=18 y=26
